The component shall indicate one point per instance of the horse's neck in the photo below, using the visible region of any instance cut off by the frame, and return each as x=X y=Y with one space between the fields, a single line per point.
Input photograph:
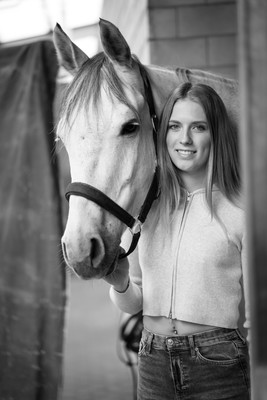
x=227 y=88
x=164 y=80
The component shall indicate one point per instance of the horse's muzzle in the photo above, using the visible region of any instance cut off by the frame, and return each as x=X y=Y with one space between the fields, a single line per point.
x=88 y=264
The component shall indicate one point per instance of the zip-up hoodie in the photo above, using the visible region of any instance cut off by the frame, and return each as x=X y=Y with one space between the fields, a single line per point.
x=194 y=272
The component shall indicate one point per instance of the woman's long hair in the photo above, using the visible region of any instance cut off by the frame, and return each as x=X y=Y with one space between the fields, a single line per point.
x=223 y=162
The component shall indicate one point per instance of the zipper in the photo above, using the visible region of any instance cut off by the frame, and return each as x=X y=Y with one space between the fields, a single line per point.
x=186 y=204
x=188 y=197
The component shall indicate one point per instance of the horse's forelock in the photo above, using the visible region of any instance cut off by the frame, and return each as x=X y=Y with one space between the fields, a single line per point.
x=86 y=85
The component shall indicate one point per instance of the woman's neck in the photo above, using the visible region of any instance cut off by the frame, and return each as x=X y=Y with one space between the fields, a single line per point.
x=192 y=182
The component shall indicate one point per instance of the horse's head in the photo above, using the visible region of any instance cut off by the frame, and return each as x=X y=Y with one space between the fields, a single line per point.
x=106 y=128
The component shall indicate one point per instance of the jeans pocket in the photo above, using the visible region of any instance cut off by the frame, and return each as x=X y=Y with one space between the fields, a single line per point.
x=141 y=347
x=242 y=345
x=220 y=353
x=144 y=347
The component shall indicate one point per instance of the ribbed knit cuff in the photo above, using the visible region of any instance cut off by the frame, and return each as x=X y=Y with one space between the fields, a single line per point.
x=130 y=301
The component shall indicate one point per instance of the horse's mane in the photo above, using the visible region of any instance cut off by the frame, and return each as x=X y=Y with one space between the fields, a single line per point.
x=86 y=85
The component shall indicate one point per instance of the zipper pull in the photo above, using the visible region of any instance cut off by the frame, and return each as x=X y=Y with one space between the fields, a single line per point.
x=173 y=328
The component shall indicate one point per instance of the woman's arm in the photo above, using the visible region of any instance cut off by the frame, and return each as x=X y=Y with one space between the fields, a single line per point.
x=126 y=281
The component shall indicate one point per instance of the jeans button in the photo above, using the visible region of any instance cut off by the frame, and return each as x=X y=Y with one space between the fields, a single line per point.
x=170 y=341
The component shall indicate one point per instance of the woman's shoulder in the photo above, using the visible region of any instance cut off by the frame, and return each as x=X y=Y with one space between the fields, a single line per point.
x=230 y=211
x=234 y=204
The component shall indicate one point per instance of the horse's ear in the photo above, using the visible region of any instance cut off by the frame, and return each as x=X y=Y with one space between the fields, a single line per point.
x=114 y=44
x=69 y=55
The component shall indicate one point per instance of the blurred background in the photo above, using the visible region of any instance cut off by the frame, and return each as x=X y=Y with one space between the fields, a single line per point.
x=59 y=336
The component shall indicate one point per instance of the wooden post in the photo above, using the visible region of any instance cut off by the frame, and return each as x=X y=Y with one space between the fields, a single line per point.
x=252 y=15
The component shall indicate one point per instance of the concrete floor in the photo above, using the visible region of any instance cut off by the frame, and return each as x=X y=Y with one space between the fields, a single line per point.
x=92 y=369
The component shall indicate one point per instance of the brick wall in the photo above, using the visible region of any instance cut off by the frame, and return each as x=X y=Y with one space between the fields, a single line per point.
x=186 y=33
x=194 y=33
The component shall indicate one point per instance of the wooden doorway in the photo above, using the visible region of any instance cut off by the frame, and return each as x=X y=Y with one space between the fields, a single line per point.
x=252 y=21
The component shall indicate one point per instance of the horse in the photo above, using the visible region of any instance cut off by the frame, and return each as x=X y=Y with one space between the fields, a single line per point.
x=107 y=125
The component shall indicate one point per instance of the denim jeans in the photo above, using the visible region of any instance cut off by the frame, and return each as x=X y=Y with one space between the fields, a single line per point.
x=212 y=365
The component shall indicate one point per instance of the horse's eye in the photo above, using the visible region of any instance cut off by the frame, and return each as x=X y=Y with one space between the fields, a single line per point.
x=130 y=129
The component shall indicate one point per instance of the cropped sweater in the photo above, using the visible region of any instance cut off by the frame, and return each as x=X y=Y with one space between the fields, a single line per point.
x=196 y=271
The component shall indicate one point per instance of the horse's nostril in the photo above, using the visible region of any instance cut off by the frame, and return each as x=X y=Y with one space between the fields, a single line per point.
x=97 y=251
x=94 y=248
x=84 y=255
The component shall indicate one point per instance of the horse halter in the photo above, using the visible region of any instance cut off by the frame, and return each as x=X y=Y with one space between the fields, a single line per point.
x=93 y=194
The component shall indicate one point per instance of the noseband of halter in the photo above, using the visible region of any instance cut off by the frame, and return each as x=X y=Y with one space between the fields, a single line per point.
x=91 y=193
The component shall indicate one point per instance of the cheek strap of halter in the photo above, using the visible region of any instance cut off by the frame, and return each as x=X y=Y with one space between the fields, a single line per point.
x=91 y=193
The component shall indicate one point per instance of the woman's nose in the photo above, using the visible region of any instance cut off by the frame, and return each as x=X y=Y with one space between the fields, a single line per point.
x=186 y=138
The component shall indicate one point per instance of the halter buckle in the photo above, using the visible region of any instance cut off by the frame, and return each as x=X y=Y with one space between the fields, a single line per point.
x=136 y=228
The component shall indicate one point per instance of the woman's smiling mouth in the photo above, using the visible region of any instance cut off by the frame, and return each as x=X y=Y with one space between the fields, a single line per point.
x=185 y=152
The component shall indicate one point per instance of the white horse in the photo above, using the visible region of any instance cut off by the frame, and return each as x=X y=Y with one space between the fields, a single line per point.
x=106 y=126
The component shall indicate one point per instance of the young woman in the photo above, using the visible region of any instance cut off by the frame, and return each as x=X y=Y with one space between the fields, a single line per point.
x=191 y=263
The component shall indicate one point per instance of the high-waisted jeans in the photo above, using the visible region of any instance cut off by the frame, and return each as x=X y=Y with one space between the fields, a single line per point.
x=212 y=365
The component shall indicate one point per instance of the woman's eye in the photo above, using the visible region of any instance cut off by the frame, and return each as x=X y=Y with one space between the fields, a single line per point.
x=129 y=129
x=199 y=128
x=174 y=127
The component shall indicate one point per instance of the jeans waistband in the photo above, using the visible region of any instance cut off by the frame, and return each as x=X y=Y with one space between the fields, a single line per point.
x=195 y=340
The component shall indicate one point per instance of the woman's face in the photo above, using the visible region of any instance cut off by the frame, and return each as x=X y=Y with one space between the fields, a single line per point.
x=188 y=138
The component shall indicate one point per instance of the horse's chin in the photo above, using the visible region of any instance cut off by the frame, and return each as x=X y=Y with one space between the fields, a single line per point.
x=86 y=271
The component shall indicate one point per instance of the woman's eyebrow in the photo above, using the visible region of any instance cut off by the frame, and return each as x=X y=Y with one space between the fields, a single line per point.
x=193 y=122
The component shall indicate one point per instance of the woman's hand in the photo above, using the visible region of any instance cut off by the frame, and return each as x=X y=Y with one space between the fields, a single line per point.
x=119 y=278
